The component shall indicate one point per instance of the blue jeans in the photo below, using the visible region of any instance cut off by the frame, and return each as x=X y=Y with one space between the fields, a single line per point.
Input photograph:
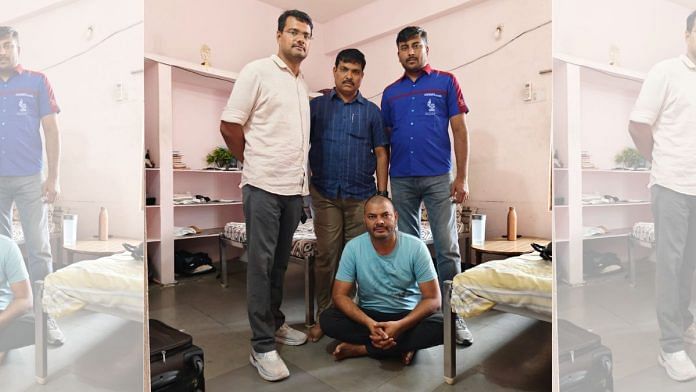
x=25 y=191
x=407 y=195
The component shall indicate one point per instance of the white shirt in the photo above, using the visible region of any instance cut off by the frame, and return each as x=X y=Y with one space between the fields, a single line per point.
x=272 y=105
x=667 y=101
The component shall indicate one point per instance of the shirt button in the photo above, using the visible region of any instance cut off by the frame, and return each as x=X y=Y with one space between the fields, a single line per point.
x=411 y=138
x=4 y=123
x=411 y=152
x=412 y=110
x=412 y=98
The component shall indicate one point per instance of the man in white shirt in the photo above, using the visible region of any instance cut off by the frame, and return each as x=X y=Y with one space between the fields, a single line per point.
x=266 y=126
x=663 y=127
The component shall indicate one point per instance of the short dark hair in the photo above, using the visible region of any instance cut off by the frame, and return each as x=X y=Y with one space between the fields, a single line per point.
x=690 y=21
x=297 y=14
x=409 y=32
x=377 y=198
x=351 y=56
x=7 y=31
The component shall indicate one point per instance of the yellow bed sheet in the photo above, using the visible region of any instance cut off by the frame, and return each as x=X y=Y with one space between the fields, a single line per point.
x=522 y=282
x=114 y=282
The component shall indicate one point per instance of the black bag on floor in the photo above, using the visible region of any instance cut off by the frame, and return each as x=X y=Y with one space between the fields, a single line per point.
x=176 y=364
x=187 y=263
x=585 y=364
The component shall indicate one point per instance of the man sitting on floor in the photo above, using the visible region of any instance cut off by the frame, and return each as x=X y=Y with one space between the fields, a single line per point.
x=16 y=318
x=399 y=296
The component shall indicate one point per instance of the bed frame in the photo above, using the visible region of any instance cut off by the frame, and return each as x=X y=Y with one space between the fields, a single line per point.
x=40 y=329
x=450 y=351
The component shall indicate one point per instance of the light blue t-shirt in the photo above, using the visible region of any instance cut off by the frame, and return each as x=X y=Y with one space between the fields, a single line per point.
x=387 y=284
x=12 y=269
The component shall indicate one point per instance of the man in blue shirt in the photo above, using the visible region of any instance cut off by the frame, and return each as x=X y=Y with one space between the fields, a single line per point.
x=16 y=319
x=417 y=109
x=348 y=145
x=397 y=313
x=27 y=104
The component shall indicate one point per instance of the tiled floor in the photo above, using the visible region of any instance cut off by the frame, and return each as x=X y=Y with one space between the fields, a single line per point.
x=624 y=317
x=510 y=352
x=101 y=353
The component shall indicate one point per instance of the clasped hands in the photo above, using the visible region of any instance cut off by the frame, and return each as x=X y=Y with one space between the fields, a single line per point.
x=384 y=334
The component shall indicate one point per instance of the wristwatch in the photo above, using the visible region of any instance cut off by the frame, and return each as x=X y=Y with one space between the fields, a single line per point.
x=383 y=193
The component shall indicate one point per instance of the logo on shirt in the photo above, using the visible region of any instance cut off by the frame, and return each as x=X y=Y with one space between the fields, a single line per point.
x=431 y=108
x=22 y=106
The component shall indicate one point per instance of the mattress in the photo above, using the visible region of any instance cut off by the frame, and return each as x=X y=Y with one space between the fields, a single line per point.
x=303 y=241
x=521 y=282
x=113 y=284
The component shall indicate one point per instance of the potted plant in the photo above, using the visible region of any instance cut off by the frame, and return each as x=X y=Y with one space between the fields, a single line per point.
x=630 y=158
x=222 y=158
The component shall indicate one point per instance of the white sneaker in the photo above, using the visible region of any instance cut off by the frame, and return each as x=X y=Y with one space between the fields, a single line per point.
x=690 y=334
x=289 y=336
x=55 y=336
x=462 y=334
x=269 y=365
x=678 y=365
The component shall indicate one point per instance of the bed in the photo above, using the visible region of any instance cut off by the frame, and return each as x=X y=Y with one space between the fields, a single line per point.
x=519 y=285
x=111 y=285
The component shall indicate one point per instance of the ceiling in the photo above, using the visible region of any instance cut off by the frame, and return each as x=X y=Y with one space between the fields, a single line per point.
x=321 y=11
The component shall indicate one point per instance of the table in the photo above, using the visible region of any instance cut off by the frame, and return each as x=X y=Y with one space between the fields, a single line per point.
x=503 y=247
x=98 y=248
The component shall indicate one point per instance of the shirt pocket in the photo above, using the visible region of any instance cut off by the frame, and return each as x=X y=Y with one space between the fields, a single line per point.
x=26 y=105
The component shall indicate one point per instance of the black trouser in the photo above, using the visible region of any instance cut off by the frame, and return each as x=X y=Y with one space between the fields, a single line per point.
x=271 y=221
x=427 y=333
x=18 y=333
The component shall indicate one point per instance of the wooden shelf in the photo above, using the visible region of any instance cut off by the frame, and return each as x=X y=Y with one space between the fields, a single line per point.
x=214 y=232
x=187 y=65
x=152 y=169
x=609 y=70
x=149 y=240
x=565 y=170
x=154 y=206
x=207 y=171
x=641 y=203
x=233 y=203
x=614 y=233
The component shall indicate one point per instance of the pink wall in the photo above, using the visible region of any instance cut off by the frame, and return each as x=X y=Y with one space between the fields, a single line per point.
x=644 y=32
x=509 y=137
x=101 y=133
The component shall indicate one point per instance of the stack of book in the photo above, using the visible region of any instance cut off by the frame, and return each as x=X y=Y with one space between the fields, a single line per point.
x=585 y=160
x=178 y=160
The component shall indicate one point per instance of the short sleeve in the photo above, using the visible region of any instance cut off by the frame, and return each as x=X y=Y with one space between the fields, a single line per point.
x=386 y=111
x=47 y=100
x=423 y=267
x=651 y=98
x=13 y=265
x=455 y=99
x=379 y=136
x=346 y=267
x=243 y=97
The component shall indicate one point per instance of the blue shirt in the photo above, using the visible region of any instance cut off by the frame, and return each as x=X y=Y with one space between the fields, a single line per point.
x=25 y=98
x=12 y=269
x=418 y=114
x=343 y=139
x=387 y=284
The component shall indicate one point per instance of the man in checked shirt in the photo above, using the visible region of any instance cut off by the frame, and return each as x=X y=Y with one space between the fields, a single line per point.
x=348 y=144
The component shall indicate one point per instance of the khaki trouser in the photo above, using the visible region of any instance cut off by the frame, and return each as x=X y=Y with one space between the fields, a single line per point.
x=336 y=221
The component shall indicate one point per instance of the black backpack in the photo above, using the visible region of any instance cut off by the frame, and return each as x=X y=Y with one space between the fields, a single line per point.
x=187 y=263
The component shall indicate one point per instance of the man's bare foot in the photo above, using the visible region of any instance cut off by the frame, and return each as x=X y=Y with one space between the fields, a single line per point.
x=315 y=333
x=407 y=358
x=349 y=350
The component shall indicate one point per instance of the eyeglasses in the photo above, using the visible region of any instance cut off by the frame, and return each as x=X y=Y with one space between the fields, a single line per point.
x=8 y=46
x=294 y=33
x=416 y=47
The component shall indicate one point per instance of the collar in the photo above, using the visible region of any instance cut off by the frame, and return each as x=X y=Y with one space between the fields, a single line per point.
x=358 y=98
x=425 y=70
x=18 y=70
x=280 y=63
x=687 y=61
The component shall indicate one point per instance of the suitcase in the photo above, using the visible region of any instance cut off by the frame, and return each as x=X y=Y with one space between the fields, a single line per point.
x=176 y=364
x=585 y=364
